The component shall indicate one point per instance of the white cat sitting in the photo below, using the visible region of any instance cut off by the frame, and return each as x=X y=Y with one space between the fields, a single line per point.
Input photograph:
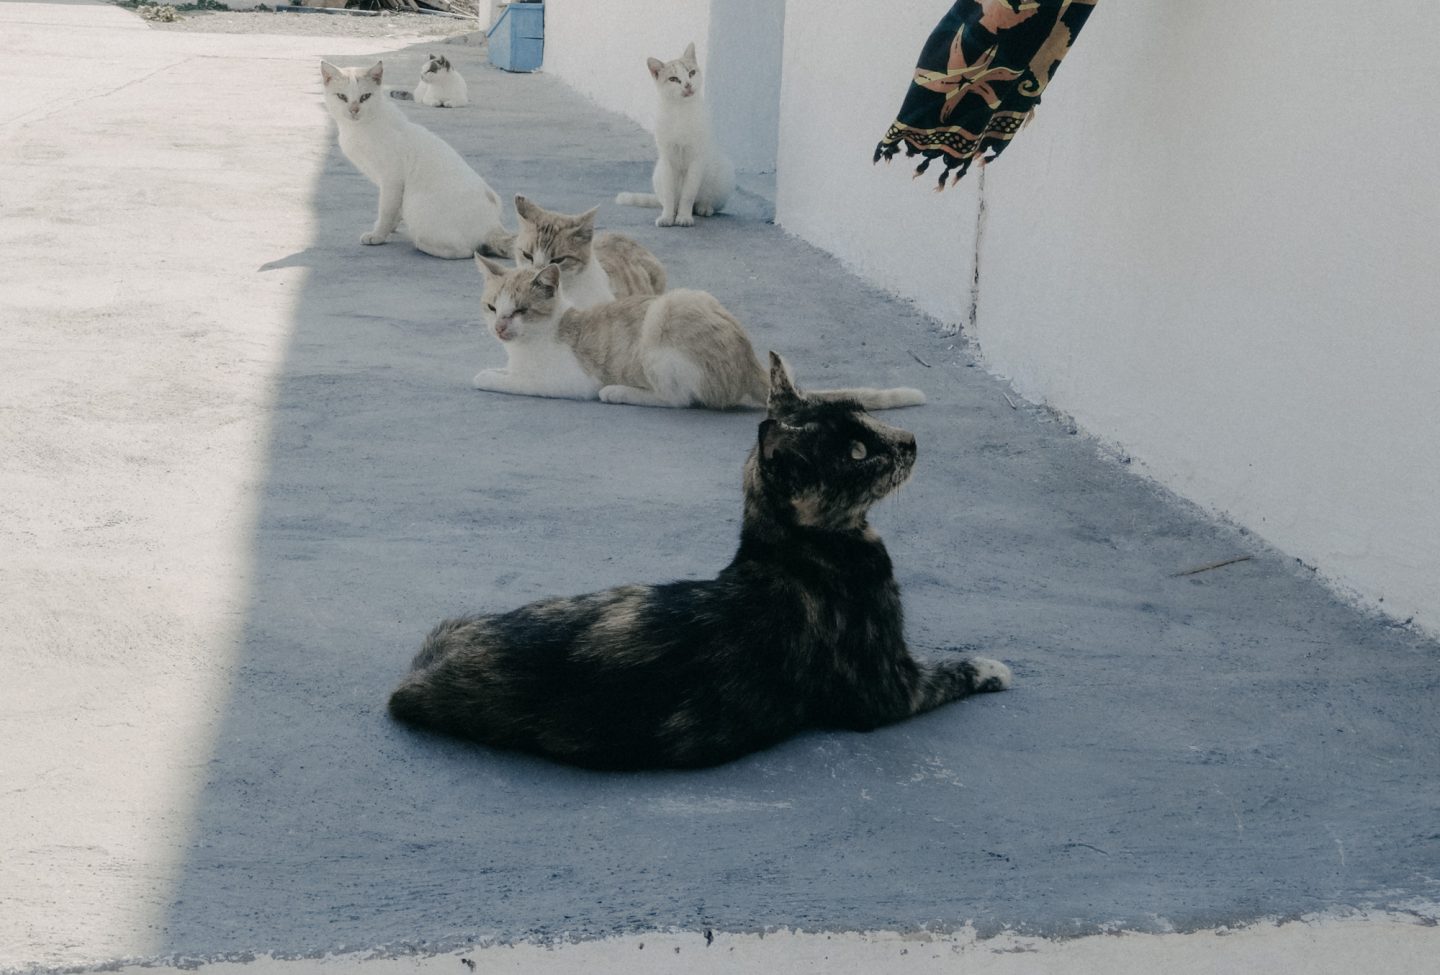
x=693 y=176
x=441 y=86
x=448 y=209
x=678 y=349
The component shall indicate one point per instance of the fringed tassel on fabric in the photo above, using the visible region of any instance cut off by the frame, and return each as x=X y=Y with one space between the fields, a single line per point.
x=979 y=78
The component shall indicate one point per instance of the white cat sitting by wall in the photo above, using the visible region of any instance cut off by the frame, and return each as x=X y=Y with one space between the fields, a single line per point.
x=693 y=176
x=448 y=209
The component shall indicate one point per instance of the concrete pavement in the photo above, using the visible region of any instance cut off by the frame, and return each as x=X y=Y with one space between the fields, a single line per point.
x=244 y=472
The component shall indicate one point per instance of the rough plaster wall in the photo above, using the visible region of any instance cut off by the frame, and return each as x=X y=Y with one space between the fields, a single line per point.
x=743 y=84
x=1231 y=271
x=846 y=71
x=599 y=48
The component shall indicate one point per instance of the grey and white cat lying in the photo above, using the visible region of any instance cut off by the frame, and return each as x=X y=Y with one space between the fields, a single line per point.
x=593 y=270
x=448 y=209
x=678 y=349
x=441 y=86
x=693 y=176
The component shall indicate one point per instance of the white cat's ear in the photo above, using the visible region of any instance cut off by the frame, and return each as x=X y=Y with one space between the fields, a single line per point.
x=585 y=224
x=489 y=268
x=689 y=54
x=328 y=72
x=375 y=73
x=547 y=282
x=524 y=209
x=784 y=397
x=655 y=65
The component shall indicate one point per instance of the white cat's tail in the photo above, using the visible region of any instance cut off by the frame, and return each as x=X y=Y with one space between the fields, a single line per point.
x=639 y=200
x=873 y=399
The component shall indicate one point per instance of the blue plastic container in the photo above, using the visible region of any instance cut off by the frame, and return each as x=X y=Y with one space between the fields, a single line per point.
x=517 y=41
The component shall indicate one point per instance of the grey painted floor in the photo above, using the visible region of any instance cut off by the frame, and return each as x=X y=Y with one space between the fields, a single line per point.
x=1177 y=751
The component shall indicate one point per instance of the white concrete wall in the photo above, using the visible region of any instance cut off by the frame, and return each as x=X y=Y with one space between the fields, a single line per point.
x=1217 y=246
x=845 y=73
x=1227 y=259
x=600 y=48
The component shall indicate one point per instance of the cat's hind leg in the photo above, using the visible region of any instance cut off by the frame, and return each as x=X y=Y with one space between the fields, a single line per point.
x=635 y=396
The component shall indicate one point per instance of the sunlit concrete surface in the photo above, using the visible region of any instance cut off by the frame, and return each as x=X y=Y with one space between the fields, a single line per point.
x=243 y=472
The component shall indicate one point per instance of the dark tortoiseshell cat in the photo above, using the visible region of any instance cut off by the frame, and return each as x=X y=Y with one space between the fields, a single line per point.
x=804 y=628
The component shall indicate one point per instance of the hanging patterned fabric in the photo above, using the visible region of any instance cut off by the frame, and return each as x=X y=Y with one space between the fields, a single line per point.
x=980 y=76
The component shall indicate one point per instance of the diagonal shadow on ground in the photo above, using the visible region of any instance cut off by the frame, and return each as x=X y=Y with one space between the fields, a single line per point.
x=1177 y=751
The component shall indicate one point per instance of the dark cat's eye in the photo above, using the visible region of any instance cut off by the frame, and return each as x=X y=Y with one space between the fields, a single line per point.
x=341 y=97
x=366 y=95
x=858 y=451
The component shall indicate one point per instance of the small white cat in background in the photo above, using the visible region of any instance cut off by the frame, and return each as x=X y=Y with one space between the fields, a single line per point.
x=448 y=209
x=678 y=349
x=441 y=85
x=693 y=176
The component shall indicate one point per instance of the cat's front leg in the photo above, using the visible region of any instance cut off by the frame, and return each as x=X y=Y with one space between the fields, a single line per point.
x=391 y=193
x=496 y=381
x=667 y=188
x=689 y=188
x=941 y=681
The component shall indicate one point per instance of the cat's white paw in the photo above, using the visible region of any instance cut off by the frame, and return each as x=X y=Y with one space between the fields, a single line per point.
x=372 y=238
x=488 y=379
x=701 y=211
x=612 y=394
x=685 y=220
x=991 y=675
x=665 y=220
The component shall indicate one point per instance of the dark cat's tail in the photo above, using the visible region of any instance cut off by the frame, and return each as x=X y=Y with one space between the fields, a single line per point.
x=401 y=94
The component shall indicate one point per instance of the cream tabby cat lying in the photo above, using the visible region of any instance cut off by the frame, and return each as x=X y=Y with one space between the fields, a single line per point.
x=593 y=270
x=447 y=208
x=678 y=349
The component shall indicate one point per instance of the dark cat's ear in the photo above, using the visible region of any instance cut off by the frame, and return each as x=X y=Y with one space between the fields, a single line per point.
x=375 y=73
x=784 y=397
x=328 y=72
x=489 y=268
x=655 y=65
x=524 y=209
x=547 y=282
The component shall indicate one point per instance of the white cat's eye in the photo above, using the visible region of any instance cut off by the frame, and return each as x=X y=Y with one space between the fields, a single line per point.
x=489 y=307
x=341 y=97
x=527 y=255
x=692 y=74
x=857 y=451
x=366 y=95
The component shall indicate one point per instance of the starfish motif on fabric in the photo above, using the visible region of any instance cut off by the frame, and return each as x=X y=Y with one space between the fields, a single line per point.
x=1002 y=15
x=962 y=78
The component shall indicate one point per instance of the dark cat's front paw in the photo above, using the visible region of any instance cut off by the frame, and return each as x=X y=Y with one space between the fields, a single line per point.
x=991 y=675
